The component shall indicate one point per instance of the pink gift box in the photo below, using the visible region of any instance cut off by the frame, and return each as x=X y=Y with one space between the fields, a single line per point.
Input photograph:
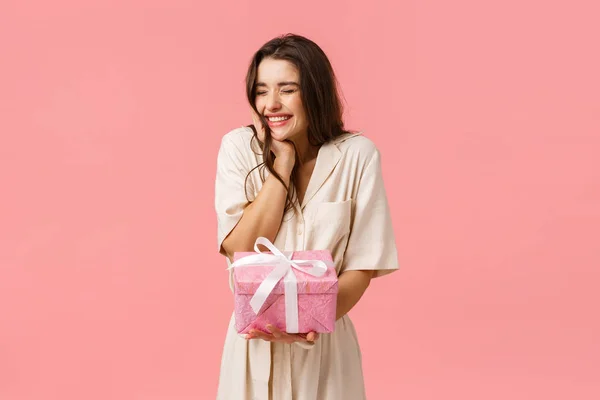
x=317 y=296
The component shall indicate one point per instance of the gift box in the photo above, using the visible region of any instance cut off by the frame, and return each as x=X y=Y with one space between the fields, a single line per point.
x=294 y=291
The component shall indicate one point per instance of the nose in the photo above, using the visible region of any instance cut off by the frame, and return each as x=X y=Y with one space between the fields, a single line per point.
x=273 y=102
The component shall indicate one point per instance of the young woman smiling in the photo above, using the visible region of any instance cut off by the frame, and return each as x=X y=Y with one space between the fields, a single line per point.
x=297 y=177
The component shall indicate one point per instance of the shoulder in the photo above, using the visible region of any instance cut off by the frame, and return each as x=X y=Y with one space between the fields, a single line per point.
x=356 y=146
x=238 y=147
x=238 y=138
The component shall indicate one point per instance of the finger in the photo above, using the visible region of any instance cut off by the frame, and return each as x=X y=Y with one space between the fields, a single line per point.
x=254 y=114
x=276 y=332
x=259 y=129
x=258 y=125
x=256 y=334
x=301 y=337
x=312 y=336
x=256 y=120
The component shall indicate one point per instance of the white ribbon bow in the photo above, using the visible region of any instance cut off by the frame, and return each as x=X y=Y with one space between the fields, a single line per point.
x=284 y=268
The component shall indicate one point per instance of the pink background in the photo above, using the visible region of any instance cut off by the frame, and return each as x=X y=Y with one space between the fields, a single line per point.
x=488 y=118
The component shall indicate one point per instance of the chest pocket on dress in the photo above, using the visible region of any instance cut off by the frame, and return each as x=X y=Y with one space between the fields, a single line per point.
x=332 y=222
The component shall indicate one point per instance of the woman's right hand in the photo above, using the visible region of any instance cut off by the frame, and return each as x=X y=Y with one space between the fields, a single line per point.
x=285 y=153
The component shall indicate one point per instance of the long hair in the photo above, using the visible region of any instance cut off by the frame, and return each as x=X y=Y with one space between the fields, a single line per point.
x=318 y=91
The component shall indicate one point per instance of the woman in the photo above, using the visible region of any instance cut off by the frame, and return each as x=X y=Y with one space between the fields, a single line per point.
x=298 y=178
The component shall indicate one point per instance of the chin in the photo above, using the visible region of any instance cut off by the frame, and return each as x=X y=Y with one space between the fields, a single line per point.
x=281 y=136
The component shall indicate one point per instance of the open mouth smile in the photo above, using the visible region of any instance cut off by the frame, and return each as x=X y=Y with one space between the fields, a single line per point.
x=278 y=120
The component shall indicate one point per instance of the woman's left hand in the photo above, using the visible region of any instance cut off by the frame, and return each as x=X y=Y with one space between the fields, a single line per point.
x=279 y=336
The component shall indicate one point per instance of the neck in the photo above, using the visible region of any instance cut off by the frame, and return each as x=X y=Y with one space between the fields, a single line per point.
x=306 y=151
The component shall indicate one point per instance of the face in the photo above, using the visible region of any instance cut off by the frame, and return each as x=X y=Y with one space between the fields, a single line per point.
x=278 y=99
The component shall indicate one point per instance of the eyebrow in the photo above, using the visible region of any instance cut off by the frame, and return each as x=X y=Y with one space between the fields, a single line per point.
x=286 y=83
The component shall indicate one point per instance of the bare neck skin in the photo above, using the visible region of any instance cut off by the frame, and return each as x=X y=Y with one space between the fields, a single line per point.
x=306 y=151
x=307 y=158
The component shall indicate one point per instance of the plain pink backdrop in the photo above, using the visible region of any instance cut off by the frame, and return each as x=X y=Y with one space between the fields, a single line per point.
x=488 y=119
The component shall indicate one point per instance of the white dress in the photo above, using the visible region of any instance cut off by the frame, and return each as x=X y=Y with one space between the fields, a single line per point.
x=345 y=210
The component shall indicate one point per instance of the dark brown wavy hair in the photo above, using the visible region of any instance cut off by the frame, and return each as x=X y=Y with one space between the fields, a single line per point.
x=318 y=91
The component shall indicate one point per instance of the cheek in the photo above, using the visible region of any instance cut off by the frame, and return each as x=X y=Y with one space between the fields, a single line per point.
x=296 y=105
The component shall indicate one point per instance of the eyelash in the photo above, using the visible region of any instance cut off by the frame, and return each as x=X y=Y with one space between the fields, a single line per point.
x=289 y=91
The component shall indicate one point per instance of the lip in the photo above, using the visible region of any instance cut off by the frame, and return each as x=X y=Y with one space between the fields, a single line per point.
x=278 y=123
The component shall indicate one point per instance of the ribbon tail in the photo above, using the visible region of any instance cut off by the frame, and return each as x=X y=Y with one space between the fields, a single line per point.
x=291 y=302
x=266 y=287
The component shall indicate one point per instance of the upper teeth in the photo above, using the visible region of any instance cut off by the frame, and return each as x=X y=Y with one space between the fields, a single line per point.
x=275 y=119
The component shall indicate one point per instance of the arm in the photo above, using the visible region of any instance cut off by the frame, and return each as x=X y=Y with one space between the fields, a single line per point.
x=351 y=286
x=371 y=249
x=263 y=216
